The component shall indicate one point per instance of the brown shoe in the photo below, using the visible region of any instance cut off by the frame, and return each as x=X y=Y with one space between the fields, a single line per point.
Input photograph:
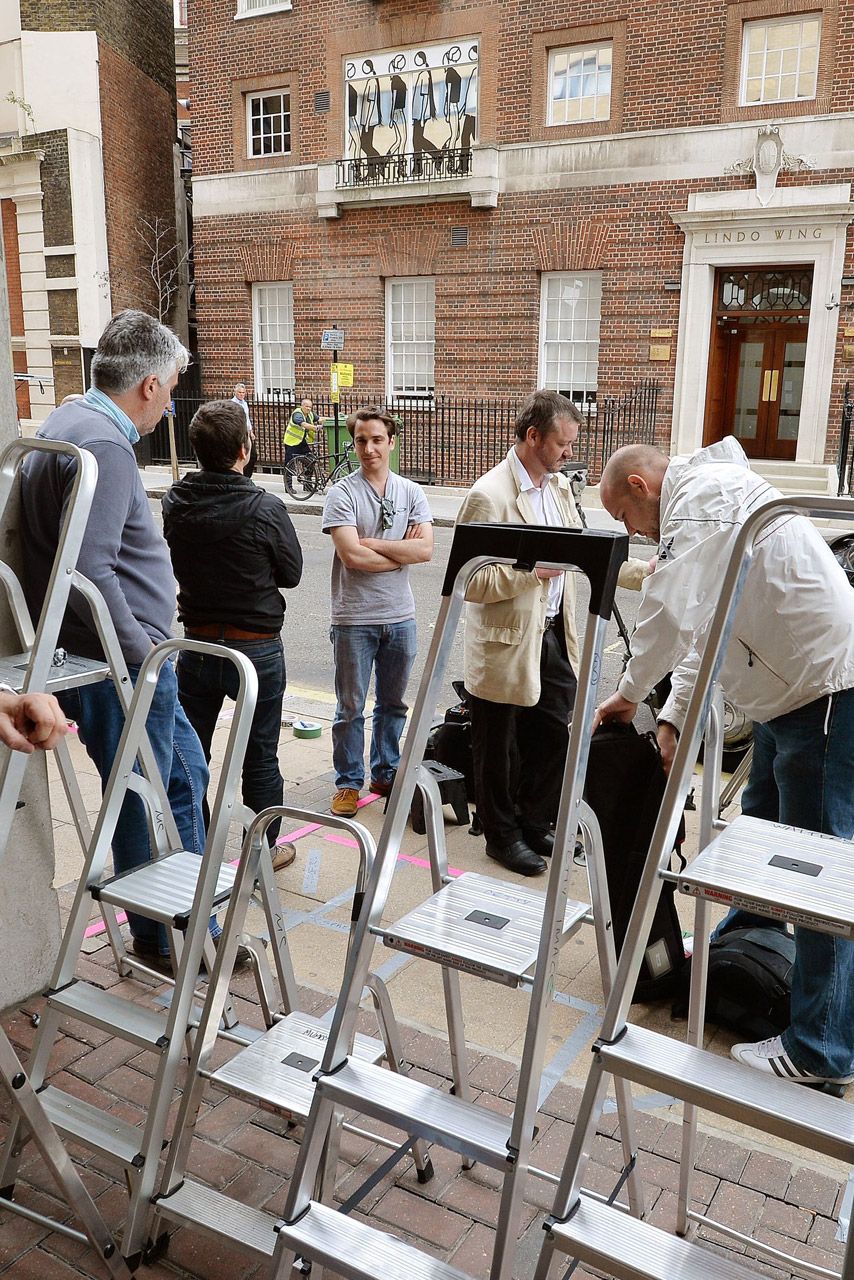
x=380 y=788
x=345 y=802
x=283 y=855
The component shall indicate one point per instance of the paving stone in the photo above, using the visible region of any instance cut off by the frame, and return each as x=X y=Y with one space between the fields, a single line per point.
x=737 y=1207
x=474 y=1254
x=810 y=1190
x=214 y=1165
x=267 y=1149
x=786 y=1219
x=420 y=1218
x=98 y=1063
x=492 y=1074
x=721 y=1158
x=766 y=1173
x=823 y=1235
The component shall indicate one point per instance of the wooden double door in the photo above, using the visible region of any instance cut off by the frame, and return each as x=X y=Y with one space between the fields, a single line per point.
x=756 y=383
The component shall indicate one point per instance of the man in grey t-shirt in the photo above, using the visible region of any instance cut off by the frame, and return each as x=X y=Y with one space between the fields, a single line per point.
x=380 y=524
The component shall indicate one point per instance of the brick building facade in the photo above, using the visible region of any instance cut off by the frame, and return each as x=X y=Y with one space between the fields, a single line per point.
x=86 y=159
x=490 y=196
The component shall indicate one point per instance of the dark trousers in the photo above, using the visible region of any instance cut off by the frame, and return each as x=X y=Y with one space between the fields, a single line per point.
x=203 y=684
x=293 y=451
x=520 y=752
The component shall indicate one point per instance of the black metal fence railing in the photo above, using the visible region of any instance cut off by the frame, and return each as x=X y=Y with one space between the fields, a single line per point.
x=444 y=439
x=408 y=166
x=845 y=460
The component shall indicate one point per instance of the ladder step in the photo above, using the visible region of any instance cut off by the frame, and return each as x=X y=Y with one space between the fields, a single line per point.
x=70 y=674
x=91 y=1126
x=814 y=1119
x=781 y=871
x=480 y=925
x=276 y=1071
x=358 y=1252
x=164 y=889
x=194 y=1205
x=420 y=1110
x=628 y=1249
x=121 y=1017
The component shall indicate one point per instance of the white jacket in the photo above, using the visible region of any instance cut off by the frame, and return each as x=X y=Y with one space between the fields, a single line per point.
x=793 y=634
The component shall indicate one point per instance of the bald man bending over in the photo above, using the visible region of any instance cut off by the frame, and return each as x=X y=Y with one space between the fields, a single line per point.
x=789 y=665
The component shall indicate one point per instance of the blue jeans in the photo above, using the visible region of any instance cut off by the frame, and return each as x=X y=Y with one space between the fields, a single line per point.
x=205 y=681
x=100 y=721
x=803 y=775
x=390 y=650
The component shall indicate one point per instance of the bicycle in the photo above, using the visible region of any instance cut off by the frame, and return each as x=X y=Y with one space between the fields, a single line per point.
x=305 y=475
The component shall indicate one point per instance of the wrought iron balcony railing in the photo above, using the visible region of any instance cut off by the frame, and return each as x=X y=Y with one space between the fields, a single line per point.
x=385 y=171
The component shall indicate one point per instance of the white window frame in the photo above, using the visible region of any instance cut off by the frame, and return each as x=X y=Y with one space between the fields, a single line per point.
x=593 y=47
x=257 y=8
x=395 y=351
x=261 y=358
x=795 y=19
x=580 y=345
x=253 y=97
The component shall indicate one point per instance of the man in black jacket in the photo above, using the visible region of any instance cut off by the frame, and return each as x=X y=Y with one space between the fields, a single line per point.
x=233 y=546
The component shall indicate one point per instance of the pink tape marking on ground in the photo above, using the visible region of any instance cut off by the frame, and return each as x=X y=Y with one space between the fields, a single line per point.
x=100 y=927
x=351 y=844
x=422 y=862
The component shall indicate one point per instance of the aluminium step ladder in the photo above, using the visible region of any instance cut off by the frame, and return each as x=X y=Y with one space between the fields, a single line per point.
x=748 y=862
x=34 y=671
x=179 y=890
x=312 y=1231
x=488 y=927
x=274 y=1072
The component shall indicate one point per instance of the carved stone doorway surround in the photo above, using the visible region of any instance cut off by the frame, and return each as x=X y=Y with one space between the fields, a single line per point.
x=730 y=229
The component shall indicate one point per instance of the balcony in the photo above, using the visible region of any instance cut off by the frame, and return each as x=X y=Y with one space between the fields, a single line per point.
x=409 y=178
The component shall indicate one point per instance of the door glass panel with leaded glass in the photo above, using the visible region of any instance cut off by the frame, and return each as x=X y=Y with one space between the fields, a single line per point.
x=792 y=390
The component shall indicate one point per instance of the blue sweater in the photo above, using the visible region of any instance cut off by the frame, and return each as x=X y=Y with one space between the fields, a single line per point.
x=123 y=553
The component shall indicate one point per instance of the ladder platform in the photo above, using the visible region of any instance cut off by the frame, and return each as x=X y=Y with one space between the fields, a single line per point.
x=91 y=1126
x=70 y=674
x=480 y=925
x=277 y=1070
x=358 y=1252
x=115 y=1014
x=192 y=1204
x=164 y=889
x=628 y=1249
x=420 y=1110
x=781 y=871
x=725 y=1087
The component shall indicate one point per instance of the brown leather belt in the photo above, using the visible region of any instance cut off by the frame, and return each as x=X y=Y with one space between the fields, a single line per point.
x=222 y=631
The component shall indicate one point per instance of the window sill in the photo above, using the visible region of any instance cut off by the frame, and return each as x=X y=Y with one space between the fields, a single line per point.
x=281 y=6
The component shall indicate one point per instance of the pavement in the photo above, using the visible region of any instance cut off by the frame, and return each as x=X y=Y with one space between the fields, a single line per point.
x=755 y=1184
x=444 y=502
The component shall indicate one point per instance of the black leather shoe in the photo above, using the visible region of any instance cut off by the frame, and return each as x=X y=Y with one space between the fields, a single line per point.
x=542 y=842
x=518 y=857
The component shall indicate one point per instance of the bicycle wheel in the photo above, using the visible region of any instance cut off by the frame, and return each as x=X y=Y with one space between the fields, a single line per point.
x=302 y=477
x=345 y=468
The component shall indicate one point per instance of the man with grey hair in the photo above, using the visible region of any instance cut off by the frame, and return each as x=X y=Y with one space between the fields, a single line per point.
x=134 y=373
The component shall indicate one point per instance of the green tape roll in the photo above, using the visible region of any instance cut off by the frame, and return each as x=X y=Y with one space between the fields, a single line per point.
x=307 y=729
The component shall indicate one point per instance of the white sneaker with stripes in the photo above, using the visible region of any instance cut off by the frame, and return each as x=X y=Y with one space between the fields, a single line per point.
x=770 y=1056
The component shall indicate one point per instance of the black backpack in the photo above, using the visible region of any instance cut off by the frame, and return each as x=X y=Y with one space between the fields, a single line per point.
x=750 y=982
x=624 y=788
x=450 y=743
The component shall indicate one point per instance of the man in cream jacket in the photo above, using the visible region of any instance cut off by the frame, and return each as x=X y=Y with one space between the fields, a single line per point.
x=789 y=665
x=521 y=647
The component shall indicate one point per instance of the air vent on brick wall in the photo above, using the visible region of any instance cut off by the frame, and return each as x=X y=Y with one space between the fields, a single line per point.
x=321 y=100
x=459 y=237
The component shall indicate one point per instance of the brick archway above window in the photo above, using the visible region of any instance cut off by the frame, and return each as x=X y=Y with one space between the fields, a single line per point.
x=571 y=246
x=408 y=253
x=267 y=260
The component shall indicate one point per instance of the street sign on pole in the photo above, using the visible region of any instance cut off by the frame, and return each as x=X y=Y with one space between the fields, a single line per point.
x=332 y=340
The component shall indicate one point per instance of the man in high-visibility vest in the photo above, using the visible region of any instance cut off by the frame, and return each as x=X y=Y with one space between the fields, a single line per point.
x=299 y=435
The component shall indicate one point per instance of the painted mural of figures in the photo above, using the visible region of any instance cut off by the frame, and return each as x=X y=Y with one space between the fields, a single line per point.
x=398 y=115
x=353 y=132
x=370 y=117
